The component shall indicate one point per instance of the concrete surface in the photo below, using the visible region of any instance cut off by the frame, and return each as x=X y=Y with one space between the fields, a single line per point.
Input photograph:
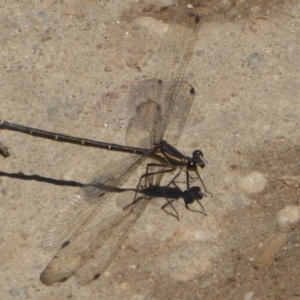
x=68 y=67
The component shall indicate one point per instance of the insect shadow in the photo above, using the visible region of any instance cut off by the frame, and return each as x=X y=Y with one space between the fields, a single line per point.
x=108 y=236
x=92 y=252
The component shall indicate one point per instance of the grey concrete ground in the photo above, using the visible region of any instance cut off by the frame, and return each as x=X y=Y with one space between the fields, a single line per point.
x=68 y=67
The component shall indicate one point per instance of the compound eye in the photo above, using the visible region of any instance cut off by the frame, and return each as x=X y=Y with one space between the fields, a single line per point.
x=191 y=165
x=198 y=153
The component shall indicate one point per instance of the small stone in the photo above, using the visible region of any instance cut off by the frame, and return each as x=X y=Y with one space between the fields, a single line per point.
x=19 y=292
x=46 y=38
x=289 y=180
x=4 y=150
x=156 y=6
x=25 y=18
x=255 y=9
x=240 y=200
x=150 y=25
x=288 y=216
x=227 y=4
x=249 y=296
x=271 y=246
x=107 y=69
x=253 y=61
x=205 y=285
x=254 y=182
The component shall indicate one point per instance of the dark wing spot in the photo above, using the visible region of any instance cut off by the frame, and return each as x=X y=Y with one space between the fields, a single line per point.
x=192 y=91
x=97 y=275
x=197 y=19
x=64 y=279
x=159 y=81
x=65 y=244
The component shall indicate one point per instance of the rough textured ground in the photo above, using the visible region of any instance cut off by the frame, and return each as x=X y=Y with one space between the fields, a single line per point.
x=67 y=67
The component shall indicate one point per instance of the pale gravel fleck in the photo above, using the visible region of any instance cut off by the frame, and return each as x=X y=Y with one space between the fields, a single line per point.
x=254 y=182
x=288 y=216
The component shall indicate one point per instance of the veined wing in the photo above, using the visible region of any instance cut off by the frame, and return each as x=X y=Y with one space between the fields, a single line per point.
x=72 y=219
x=151 y=102
x=175 y=54
x=107 y=238
x=143 y=108
x=184 y=100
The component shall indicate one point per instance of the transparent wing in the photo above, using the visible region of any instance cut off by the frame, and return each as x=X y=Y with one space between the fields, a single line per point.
x=111 y=248
x=175 y=54
x=184 y=101
x=109 y=236
x=72 y=219
x=151 y=102
x=143 y=108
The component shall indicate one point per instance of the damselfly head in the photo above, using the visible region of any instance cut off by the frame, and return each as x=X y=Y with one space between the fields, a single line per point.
x=197 y=158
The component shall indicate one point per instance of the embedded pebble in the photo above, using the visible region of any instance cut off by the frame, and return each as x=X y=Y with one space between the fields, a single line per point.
x=138 y=297
x=187 y=265
x=151 y=25
x=4 y=150
x=271 y=246
x=288 y=216
x=209 y=234
x=25 y=18
x=205 y=285
x=255 y=9
x=227 y=4
x=240 y=200
x=254 y=182
x=59 y=108
x=289 y=180
x=249 y=296
x=107 y=69
x=19 y=292
x=158 y=5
